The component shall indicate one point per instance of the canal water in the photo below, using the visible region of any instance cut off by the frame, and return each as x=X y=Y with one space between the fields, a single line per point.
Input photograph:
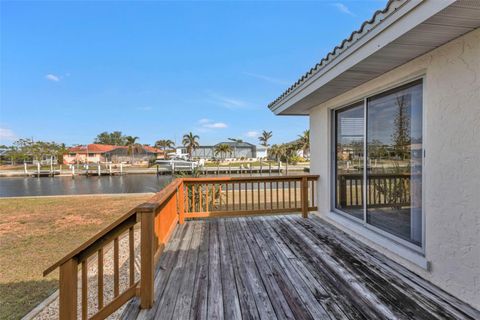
x=46 y=186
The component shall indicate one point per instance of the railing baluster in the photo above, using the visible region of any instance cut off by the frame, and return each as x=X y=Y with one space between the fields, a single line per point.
x=313 y=193
x=193 y=198
x=227 y=192
x=220 y=195
x=131 y=255
x=233 y=196
x=246 y=196
x=283 y=194
x=116 y=271
x=271 y=195
x=350 y=191
x=277 y=192
x=258 y=195
x=200 y=194
x=84 y=289
x=295 y=192
x=206 y=197
x=265 y=194
x=100 y=278
x=253 y=196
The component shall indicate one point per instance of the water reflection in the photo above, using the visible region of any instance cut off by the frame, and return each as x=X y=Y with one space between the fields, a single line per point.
x=13 y=187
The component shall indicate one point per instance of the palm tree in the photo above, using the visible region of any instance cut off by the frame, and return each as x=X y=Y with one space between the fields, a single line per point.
x=164 y=144
x=131 y=143
x=223 y=149
x=276 y=152
x=266 y=135
x=190 y=141
x=304 y=142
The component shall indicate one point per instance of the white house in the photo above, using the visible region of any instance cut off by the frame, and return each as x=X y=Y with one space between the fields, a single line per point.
x=262 y=152
x=395 y=137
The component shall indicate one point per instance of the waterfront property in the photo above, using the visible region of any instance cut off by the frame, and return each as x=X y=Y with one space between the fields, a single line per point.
x=394 y=117
x=97 y=153
x=394 y=233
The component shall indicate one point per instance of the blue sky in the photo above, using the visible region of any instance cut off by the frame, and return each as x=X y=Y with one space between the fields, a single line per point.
x=156 y=70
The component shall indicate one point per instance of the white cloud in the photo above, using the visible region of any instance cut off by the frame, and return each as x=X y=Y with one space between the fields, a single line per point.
x=252 y=134
x=7 y=135
x=227 y=102
x=147 y=108
x=206 y=124
x=216 y=125
x=204 y=120
x=267 y=78
x=343 y=8
x=52 y=77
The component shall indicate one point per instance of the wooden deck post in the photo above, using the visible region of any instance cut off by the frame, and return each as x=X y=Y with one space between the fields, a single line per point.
x=147 y=252
x=181 y=203
x=304 y=197
x=68 y=290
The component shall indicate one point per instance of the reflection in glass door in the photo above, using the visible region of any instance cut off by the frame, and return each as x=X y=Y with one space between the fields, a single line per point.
x=390 y=198
x=349 y=160
x=394 y=162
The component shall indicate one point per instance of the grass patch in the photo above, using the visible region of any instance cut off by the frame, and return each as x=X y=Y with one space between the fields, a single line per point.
x=35 y=232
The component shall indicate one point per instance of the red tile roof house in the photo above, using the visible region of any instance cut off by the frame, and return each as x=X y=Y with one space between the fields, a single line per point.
x=95 y=153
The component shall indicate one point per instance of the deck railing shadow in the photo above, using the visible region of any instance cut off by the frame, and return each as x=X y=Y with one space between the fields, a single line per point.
x=100 y=276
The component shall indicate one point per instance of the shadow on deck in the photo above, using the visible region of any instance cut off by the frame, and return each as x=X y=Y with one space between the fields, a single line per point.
x=285 y=267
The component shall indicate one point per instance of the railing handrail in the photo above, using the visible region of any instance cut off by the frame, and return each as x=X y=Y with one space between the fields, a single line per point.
x=158 y=217
x=90 y=242
x=242 y=179
x=157 y=200
x=378 y=175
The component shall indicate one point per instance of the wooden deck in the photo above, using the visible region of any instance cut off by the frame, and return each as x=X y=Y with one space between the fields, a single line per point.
x=285 y=267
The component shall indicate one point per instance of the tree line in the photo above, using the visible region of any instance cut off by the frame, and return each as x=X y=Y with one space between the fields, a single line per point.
x=28 y=149
x=24 y=150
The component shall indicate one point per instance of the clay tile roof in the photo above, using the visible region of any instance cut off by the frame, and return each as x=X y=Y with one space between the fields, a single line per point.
x=94 y=148
x=152 y=149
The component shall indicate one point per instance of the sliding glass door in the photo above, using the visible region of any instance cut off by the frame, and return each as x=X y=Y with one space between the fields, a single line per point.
x=384 y=188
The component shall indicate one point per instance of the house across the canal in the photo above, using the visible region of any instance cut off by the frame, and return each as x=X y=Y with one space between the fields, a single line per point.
x=97 y=153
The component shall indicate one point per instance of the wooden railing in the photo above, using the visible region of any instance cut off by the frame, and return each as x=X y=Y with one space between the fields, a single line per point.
x=383 y=190
x=152 y=223
x=217 y=197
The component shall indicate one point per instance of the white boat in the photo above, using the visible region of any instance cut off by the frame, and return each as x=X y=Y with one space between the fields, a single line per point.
x=177 y=164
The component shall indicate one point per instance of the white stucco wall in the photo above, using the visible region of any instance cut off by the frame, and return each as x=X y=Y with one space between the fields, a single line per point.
x=452 y=163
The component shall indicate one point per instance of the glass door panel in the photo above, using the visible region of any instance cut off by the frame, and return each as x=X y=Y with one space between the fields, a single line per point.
x=349 y=160
x=394 y=162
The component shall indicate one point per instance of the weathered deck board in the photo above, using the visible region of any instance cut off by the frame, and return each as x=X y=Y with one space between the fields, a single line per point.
x=286 y=267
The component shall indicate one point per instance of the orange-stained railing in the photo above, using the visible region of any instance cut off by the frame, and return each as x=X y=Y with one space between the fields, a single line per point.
x=153 y=222
x=227 y=196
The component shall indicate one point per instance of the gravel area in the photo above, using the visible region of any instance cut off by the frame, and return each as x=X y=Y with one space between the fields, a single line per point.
x=51 y=310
